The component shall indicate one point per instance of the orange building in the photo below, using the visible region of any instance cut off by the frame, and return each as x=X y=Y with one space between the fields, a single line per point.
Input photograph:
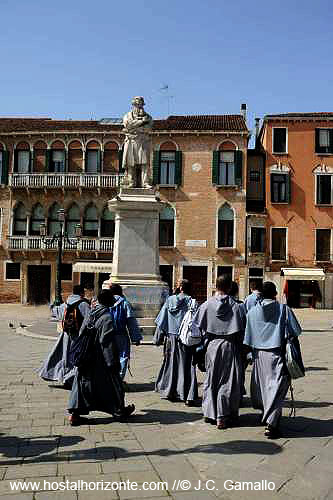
x=299 y=201
x=199 y=166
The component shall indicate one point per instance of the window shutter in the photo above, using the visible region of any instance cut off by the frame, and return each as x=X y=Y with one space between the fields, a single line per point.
x=5 y=165
x=239 y=167
x=318 y=200
x=86 y=161
x=156 y=167
x=272 y=190
x=48 y=154
x=215 y=167
x=331 y=141
x=178 y=169
x=66 y=161
x=31 y=160
x=15 y=160
x=99 y=163
x=317 y=146
x=288 y=188
x=120 y=161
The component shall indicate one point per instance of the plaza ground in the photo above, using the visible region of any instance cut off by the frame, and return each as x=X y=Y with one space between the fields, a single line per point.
x=162 y=441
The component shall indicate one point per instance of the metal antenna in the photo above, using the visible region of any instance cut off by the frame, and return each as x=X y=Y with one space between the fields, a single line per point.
x=167 y=95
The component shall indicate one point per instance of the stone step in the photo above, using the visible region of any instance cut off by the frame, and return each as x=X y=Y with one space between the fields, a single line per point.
x=146 y=321
x=148 y=331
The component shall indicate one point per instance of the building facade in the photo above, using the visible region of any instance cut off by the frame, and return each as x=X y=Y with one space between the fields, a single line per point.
x=199 y=166
x=299 y=201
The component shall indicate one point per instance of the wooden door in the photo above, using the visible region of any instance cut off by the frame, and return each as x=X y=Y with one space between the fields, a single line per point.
x=39 y=281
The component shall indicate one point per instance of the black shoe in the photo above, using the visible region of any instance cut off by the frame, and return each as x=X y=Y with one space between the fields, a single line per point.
x=272 y=432
x=190 y=402
x=209 y=421
x=125 y=413
x=76 y=420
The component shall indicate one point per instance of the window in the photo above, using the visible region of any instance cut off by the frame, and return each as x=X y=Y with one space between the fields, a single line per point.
x=255 y=274
x=20 y=220
x=1 y=174
x=53 y=222
x=37 y=218
x=279 y=243
x=258 y=239
x=324 y=141
x=4 y=161
x=90 y=221
x=280 y=188
x=23 y=162
x=66 y=272
x=323 y=244
x=167 y=227
x=92 y=161
x=72 y=219
x=224 y=270
x=225 y=227
x=324 y=189
x=254 y=176
x=167 y=168
x=279 y=140
x=227 y=168
x=13 y=271
x=107 y=224
x=58 y=161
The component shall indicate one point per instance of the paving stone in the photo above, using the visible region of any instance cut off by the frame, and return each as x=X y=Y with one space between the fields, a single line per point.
x=19 y=471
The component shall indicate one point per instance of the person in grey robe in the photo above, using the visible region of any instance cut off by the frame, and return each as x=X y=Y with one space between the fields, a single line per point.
x=127 y=328
x=265 y=333
x=255 y=295
x=97 y=386
x=177 y=379
x=56 y=366
x=222 y=324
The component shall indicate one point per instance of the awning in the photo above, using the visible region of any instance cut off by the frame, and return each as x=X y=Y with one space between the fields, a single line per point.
x=92 y=267
x=303 y=273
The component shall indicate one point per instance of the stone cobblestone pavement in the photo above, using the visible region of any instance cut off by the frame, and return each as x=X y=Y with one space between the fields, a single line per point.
x=163 y=441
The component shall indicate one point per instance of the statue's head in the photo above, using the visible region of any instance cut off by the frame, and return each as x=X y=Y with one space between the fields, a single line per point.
x=138 y=102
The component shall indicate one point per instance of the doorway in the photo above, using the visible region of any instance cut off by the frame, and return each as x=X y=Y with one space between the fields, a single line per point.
x=166 y=273
x=197 y=276
x=39 y=282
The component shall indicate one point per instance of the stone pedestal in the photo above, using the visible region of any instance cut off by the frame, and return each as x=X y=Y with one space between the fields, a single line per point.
x=135 y=263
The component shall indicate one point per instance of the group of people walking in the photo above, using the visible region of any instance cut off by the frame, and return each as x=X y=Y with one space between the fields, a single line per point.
x=229 y=335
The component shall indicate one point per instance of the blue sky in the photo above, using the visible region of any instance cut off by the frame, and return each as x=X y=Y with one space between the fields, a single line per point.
x=81 y=60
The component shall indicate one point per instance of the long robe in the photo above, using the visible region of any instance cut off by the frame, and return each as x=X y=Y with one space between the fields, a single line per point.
x=98 y=387
x=177 y=379
x=56 y=366
x=127 y=331
x=221 y=320
x=265 y=331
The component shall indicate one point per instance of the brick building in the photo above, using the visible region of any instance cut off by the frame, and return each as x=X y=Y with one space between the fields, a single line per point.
x=199 y=166
x=299 y=199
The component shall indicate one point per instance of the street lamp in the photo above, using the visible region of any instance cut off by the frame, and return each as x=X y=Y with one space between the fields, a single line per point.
x=59 y=237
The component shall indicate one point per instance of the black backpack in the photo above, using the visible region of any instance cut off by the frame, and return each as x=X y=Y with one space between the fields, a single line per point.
x=73 y=318
x=81 y=349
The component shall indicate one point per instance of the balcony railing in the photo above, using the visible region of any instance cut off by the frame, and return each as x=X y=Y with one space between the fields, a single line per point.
x=67 y=181
x=83 y=245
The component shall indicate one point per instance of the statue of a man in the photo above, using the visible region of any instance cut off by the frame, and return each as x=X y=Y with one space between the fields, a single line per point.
x=137 y=125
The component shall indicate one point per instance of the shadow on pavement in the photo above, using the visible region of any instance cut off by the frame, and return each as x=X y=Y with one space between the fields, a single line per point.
x=305 y=427
x=316 y=368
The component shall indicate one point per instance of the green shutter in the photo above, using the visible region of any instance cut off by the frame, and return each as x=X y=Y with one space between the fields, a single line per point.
x=120 y=161
x=318 y=200
x=317 y=146
x=156 y=167
x=215 y=167
x=99 y=161
x=15 y=160
x=5 y=165
x=48 y=154
x=288 y=188
x=178 y=169
x=272 y=191
x=239 y=167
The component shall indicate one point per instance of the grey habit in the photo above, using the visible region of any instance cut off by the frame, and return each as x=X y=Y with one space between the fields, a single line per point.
x=265 y=331
x=56 y=367
x=98 y=387
x=177 y=379
x=221 y=320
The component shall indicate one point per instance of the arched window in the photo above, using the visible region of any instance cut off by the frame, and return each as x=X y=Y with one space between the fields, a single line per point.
x=53 y=221
x=22 y=158
x=58 y=157
x=107 y=224
x=93 y=158
x=225 y=227
x=20 y=220
x=167 y=227
x=72 y=219
x=90 y=221
x=37 y=218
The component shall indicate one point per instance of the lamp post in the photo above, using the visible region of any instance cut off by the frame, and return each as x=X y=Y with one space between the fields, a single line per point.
x=59 y=238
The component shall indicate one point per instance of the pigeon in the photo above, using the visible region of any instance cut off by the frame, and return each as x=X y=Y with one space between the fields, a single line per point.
x=10 y=324
x=22 y=325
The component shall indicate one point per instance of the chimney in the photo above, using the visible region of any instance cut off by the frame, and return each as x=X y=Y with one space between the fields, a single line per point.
x=243 y=111
x=257 y=120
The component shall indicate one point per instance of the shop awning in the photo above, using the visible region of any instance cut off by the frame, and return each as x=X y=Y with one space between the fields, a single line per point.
x=303 y=273
x=92 y=267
